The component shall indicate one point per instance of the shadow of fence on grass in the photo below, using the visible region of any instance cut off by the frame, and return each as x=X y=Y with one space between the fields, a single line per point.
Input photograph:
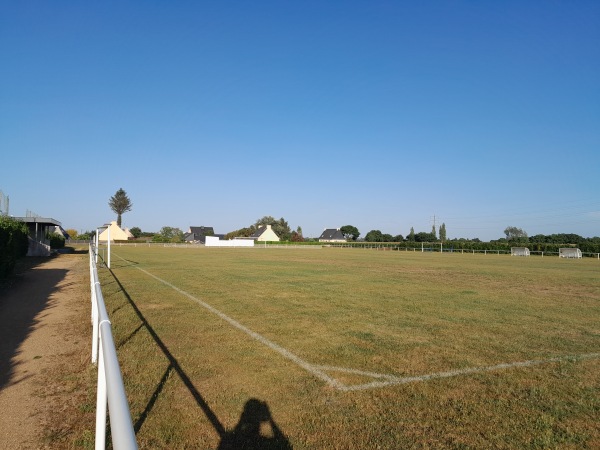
x=173 y=366
x=246 y=434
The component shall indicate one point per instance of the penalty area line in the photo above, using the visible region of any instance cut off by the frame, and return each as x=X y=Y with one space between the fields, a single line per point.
x=392 y=380
x=263 y=340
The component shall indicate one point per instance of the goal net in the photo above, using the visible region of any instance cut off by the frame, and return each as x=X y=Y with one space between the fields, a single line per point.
x=519 y=251
x=569 y=252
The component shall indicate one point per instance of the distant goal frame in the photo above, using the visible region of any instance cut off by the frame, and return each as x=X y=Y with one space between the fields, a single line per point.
x=570 y=252
x=519 y=251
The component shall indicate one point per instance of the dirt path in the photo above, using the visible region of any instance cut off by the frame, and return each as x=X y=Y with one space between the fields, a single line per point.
x=44 y=337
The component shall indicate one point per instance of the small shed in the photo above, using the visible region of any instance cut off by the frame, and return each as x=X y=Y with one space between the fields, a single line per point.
x=39 y=228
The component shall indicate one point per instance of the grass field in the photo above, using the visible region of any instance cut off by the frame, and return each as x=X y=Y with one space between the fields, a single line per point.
x=356 y=349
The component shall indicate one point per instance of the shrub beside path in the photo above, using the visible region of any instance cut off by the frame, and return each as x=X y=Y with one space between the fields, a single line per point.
x=46 y=391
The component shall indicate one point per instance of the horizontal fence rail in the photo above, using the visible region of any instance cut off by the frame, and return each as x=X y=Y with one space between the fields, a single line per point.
x=110 y=390
x=435 y=247
x=427 y=247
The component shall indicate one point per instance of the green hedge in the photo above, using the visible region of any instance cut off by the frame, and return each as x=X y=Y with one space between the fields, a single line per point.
x=56 y=240
x=13 y=244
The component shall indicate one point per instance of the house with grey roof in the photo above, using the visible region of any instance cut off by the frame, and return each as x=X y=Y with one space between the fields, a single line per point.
x=197 y=235
x=332 y=235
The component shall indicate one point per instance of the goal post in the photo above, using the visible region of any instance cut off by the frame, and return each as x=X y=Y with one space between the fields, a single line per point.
x=569 y=252
x=519 y=251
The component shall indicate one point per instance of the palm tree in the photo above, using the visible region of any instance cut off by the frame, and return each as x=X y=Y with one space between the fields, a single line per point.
x=120 y=204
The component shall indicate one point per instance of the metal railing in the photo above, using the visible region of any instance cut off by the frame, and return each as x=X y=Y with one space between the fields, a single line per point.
x=444 y=248
x=111 y=391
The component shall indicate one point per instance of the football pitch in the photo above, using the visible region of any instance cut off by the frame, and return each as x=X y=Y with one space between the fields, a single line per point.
x=351 y=348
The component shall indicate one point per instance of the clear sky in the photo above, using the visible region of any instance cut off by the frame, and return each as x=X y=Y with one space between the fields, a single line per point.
x=377 y=114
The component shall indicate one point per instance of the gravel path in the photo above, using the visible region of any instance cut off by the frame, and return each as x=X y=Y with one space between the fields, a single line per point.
x=38 y=342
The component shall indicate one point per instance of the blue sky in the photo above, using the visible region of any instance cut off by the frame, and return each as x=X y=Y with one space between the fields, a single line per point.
x=377 y=114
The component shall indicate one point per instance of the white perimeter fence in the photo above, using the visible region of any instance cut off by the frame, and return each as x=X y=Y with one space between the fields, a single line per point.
x=425 y=247
x=111 y=390
x=436 y=247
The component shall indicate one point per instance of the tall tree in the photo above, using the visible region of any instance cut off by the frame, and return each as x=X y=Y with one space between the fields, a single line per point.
x=374 y=236
x=120 y=204
x=411 y=235
x=515 y=234
x=433 y=232
x=280 y=227
x=421 y=236
x=443 y=232
x=297 y=235
x=169 y=234
x=136 y=231
x=350 y=232
x=242 y=232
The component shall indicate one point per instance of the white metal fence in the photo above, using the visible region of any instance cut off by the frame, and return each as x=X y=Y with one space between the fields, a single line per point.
x=111 y=391
x=436 y=247
x=424 y=247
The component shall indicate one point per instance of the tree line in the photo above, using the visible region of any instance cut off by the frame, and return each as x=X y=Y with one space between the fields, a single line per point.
x=280 y=227
x=421 y=236
x=120 y=203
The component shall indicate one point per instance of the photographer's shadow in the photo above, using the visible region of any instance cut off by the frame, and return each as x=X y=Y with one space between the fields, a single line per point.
x=255 y=430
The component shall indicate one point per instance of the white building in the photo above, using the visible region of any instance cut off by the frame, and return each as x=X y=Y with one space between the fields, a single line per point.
x=265 y=234
x=116 y=233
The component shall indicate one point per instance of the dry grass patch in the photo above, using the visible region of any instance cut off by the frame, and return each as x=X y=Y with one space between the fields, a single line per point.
x=189 y=373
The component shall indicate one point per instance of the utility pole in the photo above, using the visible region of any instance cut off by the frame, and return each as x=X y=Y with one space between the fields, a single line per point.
x=433 y=228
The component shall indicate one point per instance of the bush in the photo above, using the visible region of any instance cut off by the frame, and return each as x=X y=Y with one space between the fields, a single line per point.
x=56 y=240
x=87 y=236
x=13 y=244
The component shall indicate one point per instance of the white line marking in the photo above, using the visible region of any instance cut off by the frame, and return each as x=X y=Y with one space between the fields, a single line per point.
x=454 y=373
x=263 y=340
x=391 y=380
x=357 y=372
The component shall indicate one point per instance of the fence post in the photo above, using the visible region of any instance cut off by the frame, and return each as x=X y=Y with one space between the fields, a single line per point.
x=108 y=251
x=92 y=256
